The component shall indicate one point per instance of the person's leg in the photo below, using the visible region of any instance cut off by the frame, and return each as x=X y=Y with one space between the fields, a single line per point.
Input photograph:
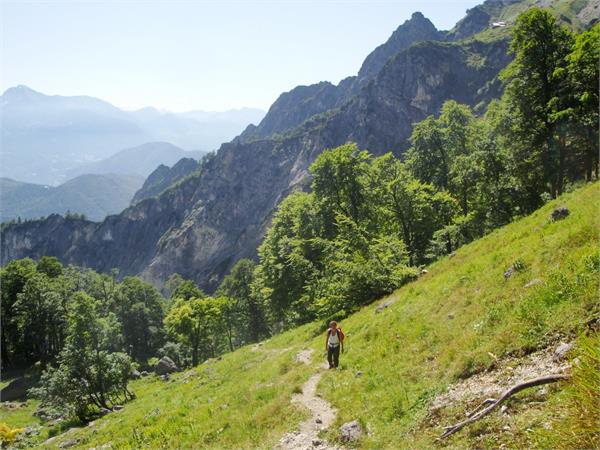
x=330 y=356
x=336 y=356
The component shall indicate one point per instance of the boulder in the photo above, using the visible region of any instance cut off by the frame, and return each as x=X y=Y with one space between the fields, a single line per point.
x=165 y=365
x=350 y=431
x=136 y=375
x=143 y=373
x=559 y=213
x=561 y=351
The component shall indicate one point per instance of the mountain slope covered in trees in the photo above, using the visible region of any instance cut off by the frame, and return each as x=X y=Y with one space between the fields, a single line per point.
x=464 y=317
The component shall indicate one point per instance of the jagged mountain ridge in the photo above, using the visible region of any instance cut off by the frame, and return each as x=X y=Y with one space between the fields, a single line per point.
x=200 y=227
x=163 y=177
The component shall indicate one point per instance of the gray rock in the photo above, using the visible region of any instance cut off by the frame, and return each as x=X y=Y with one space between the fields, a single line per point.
x=143 y=373
x=424 y=272
x=165 y=366
x=68 y=443
x=318 y=420
x=561 y=351
x=104 y=411
x=359 y=373
x=350 y=431
x=117 y=407
x=560 y=213
x=509 y=272
x=135 y=375
x=384 y=306
x=165 y=377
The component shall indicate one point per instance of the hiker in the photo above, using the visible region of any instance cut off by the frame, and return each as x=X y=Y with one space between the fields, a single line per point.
x=333 y=342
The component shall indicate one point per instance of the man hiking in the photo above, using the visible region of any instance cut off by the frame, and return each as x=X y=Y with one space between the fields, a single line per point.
x=333 y=342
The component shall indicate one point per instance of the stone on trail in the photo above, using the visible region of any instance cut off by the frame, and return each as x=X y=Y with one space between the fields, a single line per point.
x=165 y=365
x=561 y=351
x=350 y=431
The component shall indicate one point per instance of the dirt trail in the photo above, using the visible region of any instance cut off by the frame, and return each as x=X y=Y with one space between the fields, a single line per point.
x=322 y=414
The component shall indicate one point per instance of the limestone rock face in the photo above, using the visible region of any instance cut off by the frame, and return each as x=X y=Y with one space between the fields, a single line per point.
x=220 y=211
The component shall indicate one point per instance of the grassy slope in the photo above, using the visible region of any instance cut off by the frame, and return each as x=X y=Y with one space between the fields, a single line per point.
x=441 y=327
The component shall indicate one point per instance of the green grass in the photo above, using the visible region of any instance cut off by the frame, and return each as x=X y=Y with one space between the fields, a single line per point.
x=455 y=321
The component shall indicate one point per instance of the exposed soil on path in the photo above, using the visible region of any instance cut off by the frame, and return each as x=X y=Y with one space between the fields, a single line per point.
x=322 y=414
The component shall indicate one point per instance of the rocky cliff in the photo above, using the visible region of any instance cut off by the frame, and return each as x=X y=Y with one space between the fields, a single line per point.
x=163 y=177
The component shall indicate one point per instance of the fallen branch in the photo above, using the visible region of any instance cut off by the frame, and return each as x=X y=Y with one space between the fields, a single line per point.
x=478 y=413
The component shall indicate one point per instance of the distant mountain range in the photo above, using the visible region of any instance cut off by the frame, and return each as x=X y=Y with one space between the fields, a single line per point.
x=95 y=196
x=141 y=160
x=46 y=137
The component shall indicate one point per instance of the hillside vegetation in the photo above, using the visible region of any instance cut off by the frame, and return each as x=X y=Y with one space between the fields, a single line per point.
x=461 y=318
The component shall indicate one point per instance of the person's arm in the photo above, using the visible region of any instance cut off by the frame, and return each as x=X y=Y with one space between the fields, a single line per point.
x=326 y=340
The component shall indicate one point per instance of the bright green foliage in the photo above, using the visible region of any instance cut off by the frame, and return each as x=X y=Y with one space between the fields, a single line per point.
x=89 y=374
x=50 y=266
x=196 y=323
x=184 y=289
x=14 y=276
x=534 y=92
x=140 y=310
x=344 y=244
x=583 y=75
x=246 y=312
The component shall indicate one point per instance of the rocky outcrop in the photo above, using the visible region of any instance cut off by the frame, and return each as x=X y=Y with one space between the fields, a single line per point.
x=215 y=216
x=294 y=107
x=163 y=177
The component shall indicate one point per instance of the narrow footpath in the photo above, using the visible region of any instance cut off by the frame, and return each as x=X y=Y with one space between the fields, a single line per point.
x=322 y=414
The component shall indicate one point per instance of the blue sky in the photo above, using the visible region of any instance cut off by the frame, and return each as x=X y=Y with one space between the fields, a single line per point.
x=194 y=54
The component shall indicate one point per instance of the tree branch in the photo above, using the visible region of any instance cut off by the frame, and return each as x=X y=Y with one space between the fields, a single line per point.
x=478 y=412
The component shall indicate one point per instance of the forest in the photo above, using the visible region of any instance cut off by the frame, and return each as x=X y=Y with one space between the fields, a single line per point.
x=367 y=226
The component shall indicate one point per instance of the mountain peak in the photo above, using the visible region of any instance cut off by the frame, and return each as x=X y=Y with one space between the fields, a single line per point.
x=21 y=92
x=416 y=29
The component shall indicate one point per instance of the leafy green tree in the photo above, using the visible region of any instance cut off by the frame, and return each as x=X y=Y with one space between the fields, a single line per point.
x=50 y=266
x=40 y=319
x=339 y=179
x=290 y=260
x=533 y=87
x=583 y=74
x=89 y=374
x=248 y=314
x=140 y=310
x=194 y=323
x=13 y=278
x=418 y=208
x=185 y=289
